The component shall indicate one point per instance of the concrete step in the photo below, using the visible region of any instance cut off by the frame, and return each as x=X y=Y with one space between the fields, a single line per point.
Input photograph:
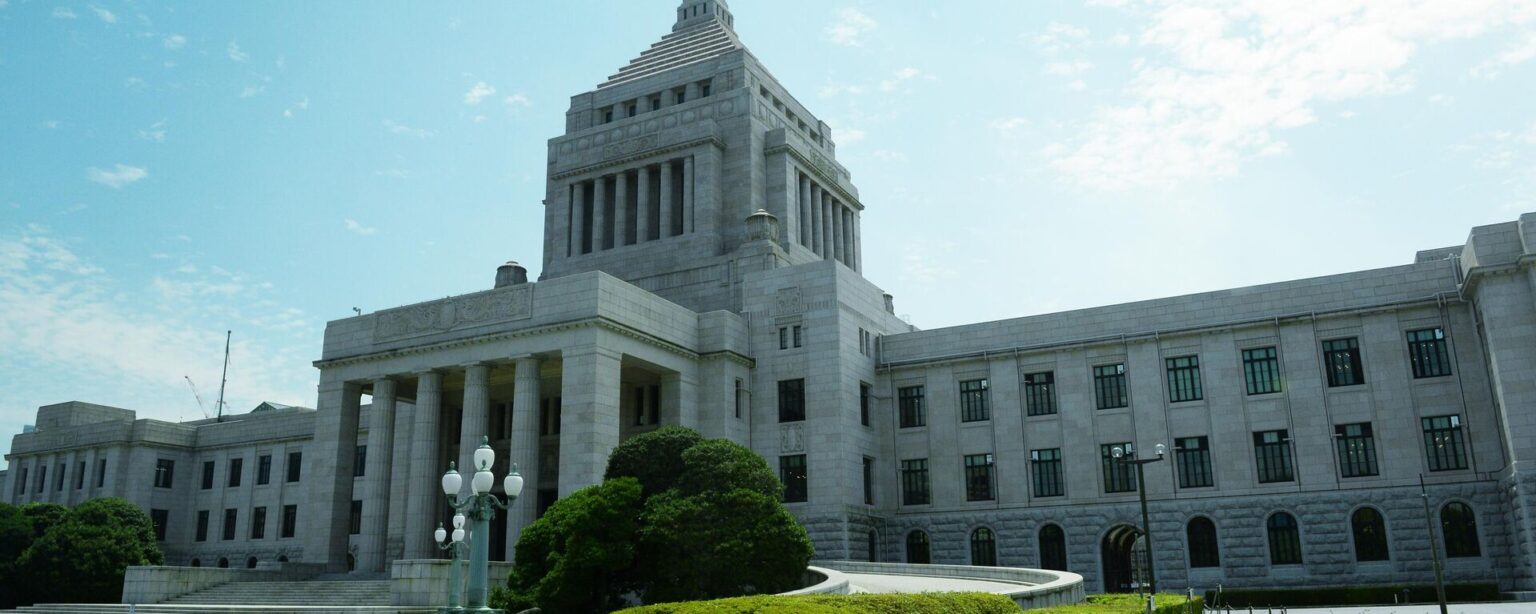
x=374 y=593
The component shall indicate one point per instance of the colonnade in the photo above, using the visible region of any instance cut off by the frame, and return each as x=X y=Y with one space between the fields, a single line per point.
x=828 y=226
x=630 y=206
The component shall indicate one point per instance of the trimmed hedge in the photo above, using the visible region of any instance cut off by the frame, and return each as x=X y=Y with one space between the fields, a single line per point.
x=1128 y=603
x=1350 y=595
x=867 y=603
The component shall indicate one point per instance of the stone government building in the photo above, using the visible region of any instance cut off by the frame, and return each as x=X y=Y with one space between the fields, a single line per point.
x=702 y=266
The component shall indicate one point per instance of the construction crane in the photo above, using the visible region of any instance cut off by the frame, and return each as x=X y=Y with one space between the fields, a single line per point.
x=197 y=396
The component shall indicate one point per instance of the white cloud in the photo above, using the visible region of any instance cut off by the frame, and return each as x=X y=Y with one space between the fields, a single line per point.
x=1515 y=54
x=52 y=124
x=252 y=90
x=174 y=41
x=847 y=136
x=356 y=228
x=302 y=105
x=404 y=130
x=1007 y=127
x=902 y=77
x=1228 y=78
x=119 y=176
x=155 y=132
x=517 y=101
x=1059 y=37
x=104 y=14
x=1441 y=100
x=135 y=83
x=478 y=92
x=63 y=13
x=1073 y=67
x=850 y=27
x=832 y=90
x=234 y=52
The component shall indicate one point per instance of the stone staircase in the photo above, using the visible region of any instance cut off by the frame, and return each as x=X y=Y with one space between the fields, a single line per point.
x=308 y=597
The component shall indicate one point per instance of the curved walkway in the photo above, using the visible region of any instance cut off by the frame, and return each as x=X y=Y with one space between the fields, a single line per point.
x=888 y=583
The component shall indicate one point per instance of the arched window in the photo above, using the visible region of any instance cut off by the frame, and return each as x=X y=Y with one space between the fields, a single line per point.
x=983 y=548
x=917 y=548
x=1053 y=548
x=223 y=563
x=282 y=559
x=1203 y=548
x=1459 y=526
x=1370 y=532
x=197 y=563
x=874 y=547
x=1284 y=539
x=250 y=563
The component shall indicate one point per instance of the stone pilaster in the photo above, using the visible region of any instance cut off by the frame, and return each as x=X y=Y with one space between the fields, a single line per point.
x=643 y=205
x=827 y=249
x=621 y=209
x=401 y=486
x=804 y=235
x=578 y=219
x=525 y=449
x=666 y=200
x=477 y=413
x=599 y=214
x=424 y=468
x=688 y=188
x=376 y=486
x=330 y=474
x=839 y=240
x=817 y=221
x=589 y=415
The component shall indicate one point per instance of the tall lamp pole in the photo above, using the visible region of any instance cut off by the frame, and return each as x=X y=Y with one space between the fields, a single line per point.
x=454 y=548
x=480 y=507
x=1128 y=456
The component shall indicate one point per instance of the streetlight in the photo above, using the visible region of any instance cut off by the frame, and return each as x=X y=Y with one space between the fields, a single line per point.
x=480 y=508
x=453 y=548
x=1120 y=455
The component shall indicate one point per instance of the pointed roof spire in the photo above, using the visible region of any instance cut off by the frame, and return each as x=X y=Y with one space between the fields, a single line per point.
x=695 y=12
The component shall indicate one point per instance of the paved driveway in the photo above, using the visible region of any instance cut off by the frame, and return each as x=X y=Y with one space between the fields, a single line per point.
x=879 y=583
x=1455 y=608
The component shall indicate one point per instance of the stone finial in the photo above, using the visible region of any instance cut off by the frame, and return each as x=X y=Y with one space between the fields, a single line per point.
x=511 y=274
x=890 y=303
x=762 y=226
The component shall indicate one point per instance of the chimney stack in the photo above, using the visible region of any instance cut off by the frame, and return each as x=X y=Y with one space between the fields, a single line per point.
x=511 y=274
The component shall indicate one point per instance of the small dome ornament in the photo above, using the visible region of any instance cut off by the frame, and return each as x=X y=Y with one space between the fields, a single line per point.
x=762 y=226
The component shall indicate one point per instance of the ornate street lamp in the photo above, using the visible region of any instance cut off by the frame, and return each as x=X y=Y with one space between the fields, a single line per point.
x=454 y=548
x=480 y=507
x=1128 y=456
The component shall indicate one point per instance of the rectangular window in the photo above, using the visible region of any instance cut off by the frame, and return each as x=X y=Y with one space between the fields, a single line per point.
x=741 y=396
x=869 y=481
x=1194 y=458
x=1261 y=370
x=549 y=416
x=207 y=475
x=160 y=518
x=1040 y=393
x=680 y=98
x=1444 y=443
x=202 y=526
x=704 y=89
x=607 y=115
x=264 y=469
x=42 y=478
x=973 y=401
x=295 y=460
x=1357 y=450
x=165 y=473
x=640 y=396
x=1184 y=379
x=1426 y=350
x=101 y=472
x=914 y=482
x=1342 y=359
x=783 y=337
x=633 y=109
x=655 y=103
x=360 y=461
x=290 y=520
x=1272 y=450
x=910 y=401
x=80 y=476
x=795 y=335
x=793 y=474
x=259 y=523
x=21 y=482
x=58 y=478
x=1045 y=472
x=236 y=470
x=1109 y=386
x=979 y=481
x=547 y=497
x=355 y=520
x=1118 y=476
x=230 y=517
x=863 y=403
x=792 y=400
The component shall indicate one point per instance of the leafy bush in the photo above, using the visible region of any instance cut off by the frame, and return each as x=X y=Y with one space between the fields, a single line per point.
x=83 y=558
x=1128 y=603
x=719 y=545
x=654 y=458
x=1350 y=595
x=15 y=536
x=579 y=556
x=925 y=603
x=43 y=516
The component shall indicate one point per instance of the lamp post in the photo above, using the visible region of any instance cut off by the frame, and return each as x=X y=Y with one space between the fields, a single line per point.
x=453 y=548
x=1128 y=456
x=480 y=507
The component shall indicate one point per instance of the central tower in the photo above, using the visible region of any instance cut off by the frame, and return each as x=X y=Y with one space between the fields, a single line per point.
x=663 y=162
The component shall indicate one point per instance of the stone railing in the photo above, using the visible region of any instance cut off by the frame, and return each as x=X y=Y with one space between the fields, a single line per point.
x=424 y=582
x=822 y=581
x=154 y=584
x=1039 y=588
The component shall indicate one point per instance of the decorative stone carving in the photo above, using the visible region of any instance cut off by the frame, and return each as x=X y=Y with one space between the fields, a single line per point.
x=515 y=303
x=792 y=438
x=630 y=147
x=762 y=226
x=787 y=302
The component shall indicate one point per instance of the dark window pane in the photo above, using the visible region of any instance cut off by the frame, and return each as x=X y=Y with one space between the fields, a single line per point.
x=1053 y=548
x=1370 y=532
x=355 y=519
x=1045 y=472
x=1284 y=540
x=1203 y=548
x=202 y=526
x=1118 y=476
x=792 y=400
x=979 y=481
x=207 y=475
x=264 y=469
x=1261 y=370
x=910 y=400
x=1040 y=393
x=236 y=469
x=973 y=401
x=983 y=548
x=917 y=548
x=792 y=472
x=230 y=516
x=1184 y=379
x=259 y=523
x=914 y=482
x=1357 y=450
x=1194 y=458
x=1342 y=359
x=1444 y=443
x=160 y=518
x=1427 y=352
x=1272 y=451
x=290 y=520
x=1109 y=386
x=1458 y=526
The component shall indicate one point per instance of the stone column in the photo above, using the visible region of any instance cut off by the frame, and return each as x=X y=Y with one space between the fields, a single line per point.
x=589 y=415
x=401 y=487
x=839 y=241
x=816 y=220
x=666 y=200
x=643 y=205
x=578 y=219
x=688 y=194
x=381 y=442
x=805 y=210
x=599 y=213
x=425 y=494
x=330 y=474
x=525 y=449
x=858 y=248
x=826 y=226
x=477 y=413
x=621 y=209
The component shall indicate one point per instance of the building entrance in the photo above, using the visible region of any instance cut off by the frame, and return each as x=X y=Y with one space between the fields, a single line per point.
x=1123 y=553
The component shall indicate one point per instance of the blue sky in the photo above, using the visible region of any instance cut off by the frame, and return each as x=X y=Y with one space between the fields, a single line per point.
x=171 y=171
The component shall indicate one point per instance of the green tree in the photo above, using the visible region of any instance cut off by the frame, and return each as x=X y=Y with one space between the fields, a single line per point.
x=654 y=458
x=43 y=516
x=15 y=536
x=579 y=556
x=720 y=544
x=720 y=466
x=83 y=558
